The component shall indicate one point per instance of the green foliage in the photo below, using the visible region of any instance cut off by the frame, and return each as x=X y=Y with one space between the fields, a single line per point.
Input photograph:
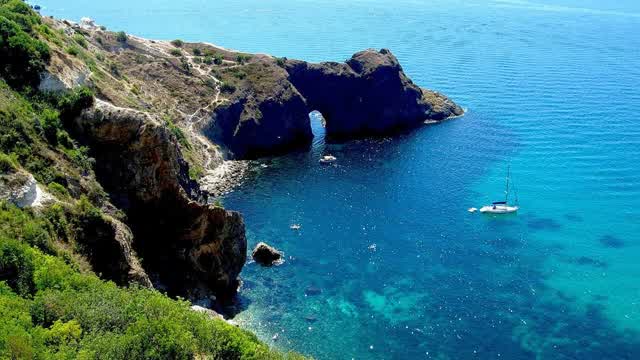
x=73 y=50
x=218 y=59
x=58 y=191
x=242 y=59
x=208 y=59
x=51 y=309
x=177 y=43
x=22 y=56
x=196 y=51
x=177 y=132
x=7 y=164
x=281 y=61
x=121 y=36
x=16 y=266
x=78 y=38
x=175 y=52
x=228 y=88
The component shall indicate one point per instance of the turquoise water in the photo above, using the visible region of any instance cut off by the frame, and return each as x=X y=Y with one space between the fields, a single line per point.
x=552 y=90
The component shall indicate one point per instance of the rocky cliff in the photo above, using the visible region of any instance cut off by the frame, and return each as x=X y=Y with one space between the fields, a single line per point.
x=168 y=114
x=188 y=245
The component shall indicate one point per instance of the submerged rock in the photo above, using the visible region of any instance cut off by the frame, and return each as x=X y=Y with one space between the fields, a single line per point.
x=312 y=290
x=266 y=255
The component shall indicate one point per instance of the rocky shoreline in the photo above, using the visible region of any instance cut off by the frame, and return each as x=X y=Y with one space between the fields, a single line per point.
x=174 y=125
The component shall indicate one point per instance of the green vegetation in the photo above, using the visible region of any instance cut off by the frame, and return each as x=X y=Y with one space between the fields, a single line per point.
x=49 y=308
x=243 y=59
x=177 y=43
x=281 y=61
x=228 y=88
x=52 y=305
x=23 y=55
x=73 y=50
x=175 y=52
x=78 y=38
x=121 y=36
x=196 y=52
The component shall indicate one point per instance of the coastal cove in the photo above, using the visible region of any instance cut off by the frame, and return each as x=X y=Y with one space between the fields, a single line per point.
x=388 y=264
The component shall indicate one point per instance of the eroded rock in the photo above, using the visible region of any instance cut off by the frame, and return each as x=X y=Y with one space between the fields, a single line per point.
x=266 y=255
x=191 y=246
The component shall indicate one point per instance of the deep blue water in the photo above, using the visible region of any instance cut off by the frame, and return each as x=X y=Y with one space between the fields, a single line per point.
x=552 y=89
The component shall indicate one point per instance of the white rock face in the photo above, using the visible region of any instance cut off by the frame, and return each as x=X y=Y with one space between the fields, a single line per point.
x=87 y=23
x=23 y=190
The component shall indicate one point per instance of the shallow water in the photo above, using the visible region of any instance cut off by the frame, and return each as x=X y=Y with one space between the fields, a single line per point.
x=552 y=91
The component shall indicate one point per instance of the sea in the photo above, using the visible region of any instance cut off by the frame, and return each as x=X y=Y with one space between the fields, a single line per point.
x=388 y=263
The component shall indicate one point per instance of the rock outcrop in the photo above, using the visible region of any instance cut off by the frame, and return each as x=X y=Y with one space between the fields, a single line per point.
x=369 y=95
x=21 y=189
x=189 y=245
x=266 y=255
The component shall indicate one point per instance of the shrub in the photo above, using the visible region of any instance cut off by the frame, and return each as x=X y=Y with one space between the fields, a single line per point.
x=281 y=61
x=242 y=59
x=228 y=88
x=78 y=38
x=7 y=164
x=177 y=43
x=208 y=60
x=16 y=266
x=73 y=50
x=196 y=52
x=50 y=125
x=121 y=36
x=22 y=57
x=175 y=52
x=58 y=191
x=217 y=59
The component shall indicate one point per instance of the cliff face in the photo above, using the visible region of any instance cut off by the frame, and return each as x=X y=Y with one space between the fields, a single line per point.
x=367 y=95
x=171 y=112
x=187 y=244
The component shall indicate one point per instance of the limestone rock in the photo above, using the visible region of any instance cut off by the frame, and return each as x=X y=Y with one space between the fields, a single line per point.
x=188 y=244
x=266 y=255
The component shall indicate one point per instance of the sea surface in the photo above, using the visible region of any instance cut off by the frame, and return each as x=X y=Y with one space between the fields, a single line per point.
x=388 y=263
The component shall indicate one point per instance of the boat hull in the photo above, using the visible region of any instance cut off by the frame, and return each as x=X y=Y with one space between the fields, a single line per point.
x=500 y=209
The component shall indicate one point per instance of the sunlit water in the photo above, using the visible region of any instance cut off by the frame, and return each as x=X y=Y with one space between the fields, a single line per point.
x=388 y=263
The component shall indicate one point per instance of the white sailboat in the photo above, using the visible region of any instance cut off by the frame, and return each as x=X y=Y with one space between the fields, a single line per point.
x=502 y=207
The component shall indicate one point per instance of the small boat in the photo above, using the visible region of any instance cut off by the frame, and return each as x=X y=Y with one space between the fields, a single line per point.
x=327 y=159
x=499 y=207
x=295 y=227
x=503 y=207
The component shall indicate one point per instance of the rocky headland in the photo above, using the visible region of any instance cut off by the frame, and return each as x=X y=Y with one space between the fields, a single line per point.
x=169 y=116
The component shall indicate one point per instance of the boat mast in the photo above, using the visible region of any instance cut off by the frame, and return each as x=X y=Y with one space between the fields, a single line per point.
x=506 y=192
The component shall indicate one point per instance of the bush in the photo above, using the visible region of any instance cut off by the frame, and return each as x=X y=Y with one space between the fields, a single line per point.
x=7 y=164
x=177 y=43
x=58 y=191
x=73 y=50
x=121 y=36
x=16 y=266
x=208 y=60
x=51 y=124
x=22 y=57
x=78 y=38
x=175 y=52
x=196 y=52
x=242 y=59
x=228 y=88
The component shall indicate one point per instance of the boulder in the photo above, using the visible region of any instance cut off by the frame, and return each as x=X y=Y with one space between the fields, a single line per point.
x=266 y=255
